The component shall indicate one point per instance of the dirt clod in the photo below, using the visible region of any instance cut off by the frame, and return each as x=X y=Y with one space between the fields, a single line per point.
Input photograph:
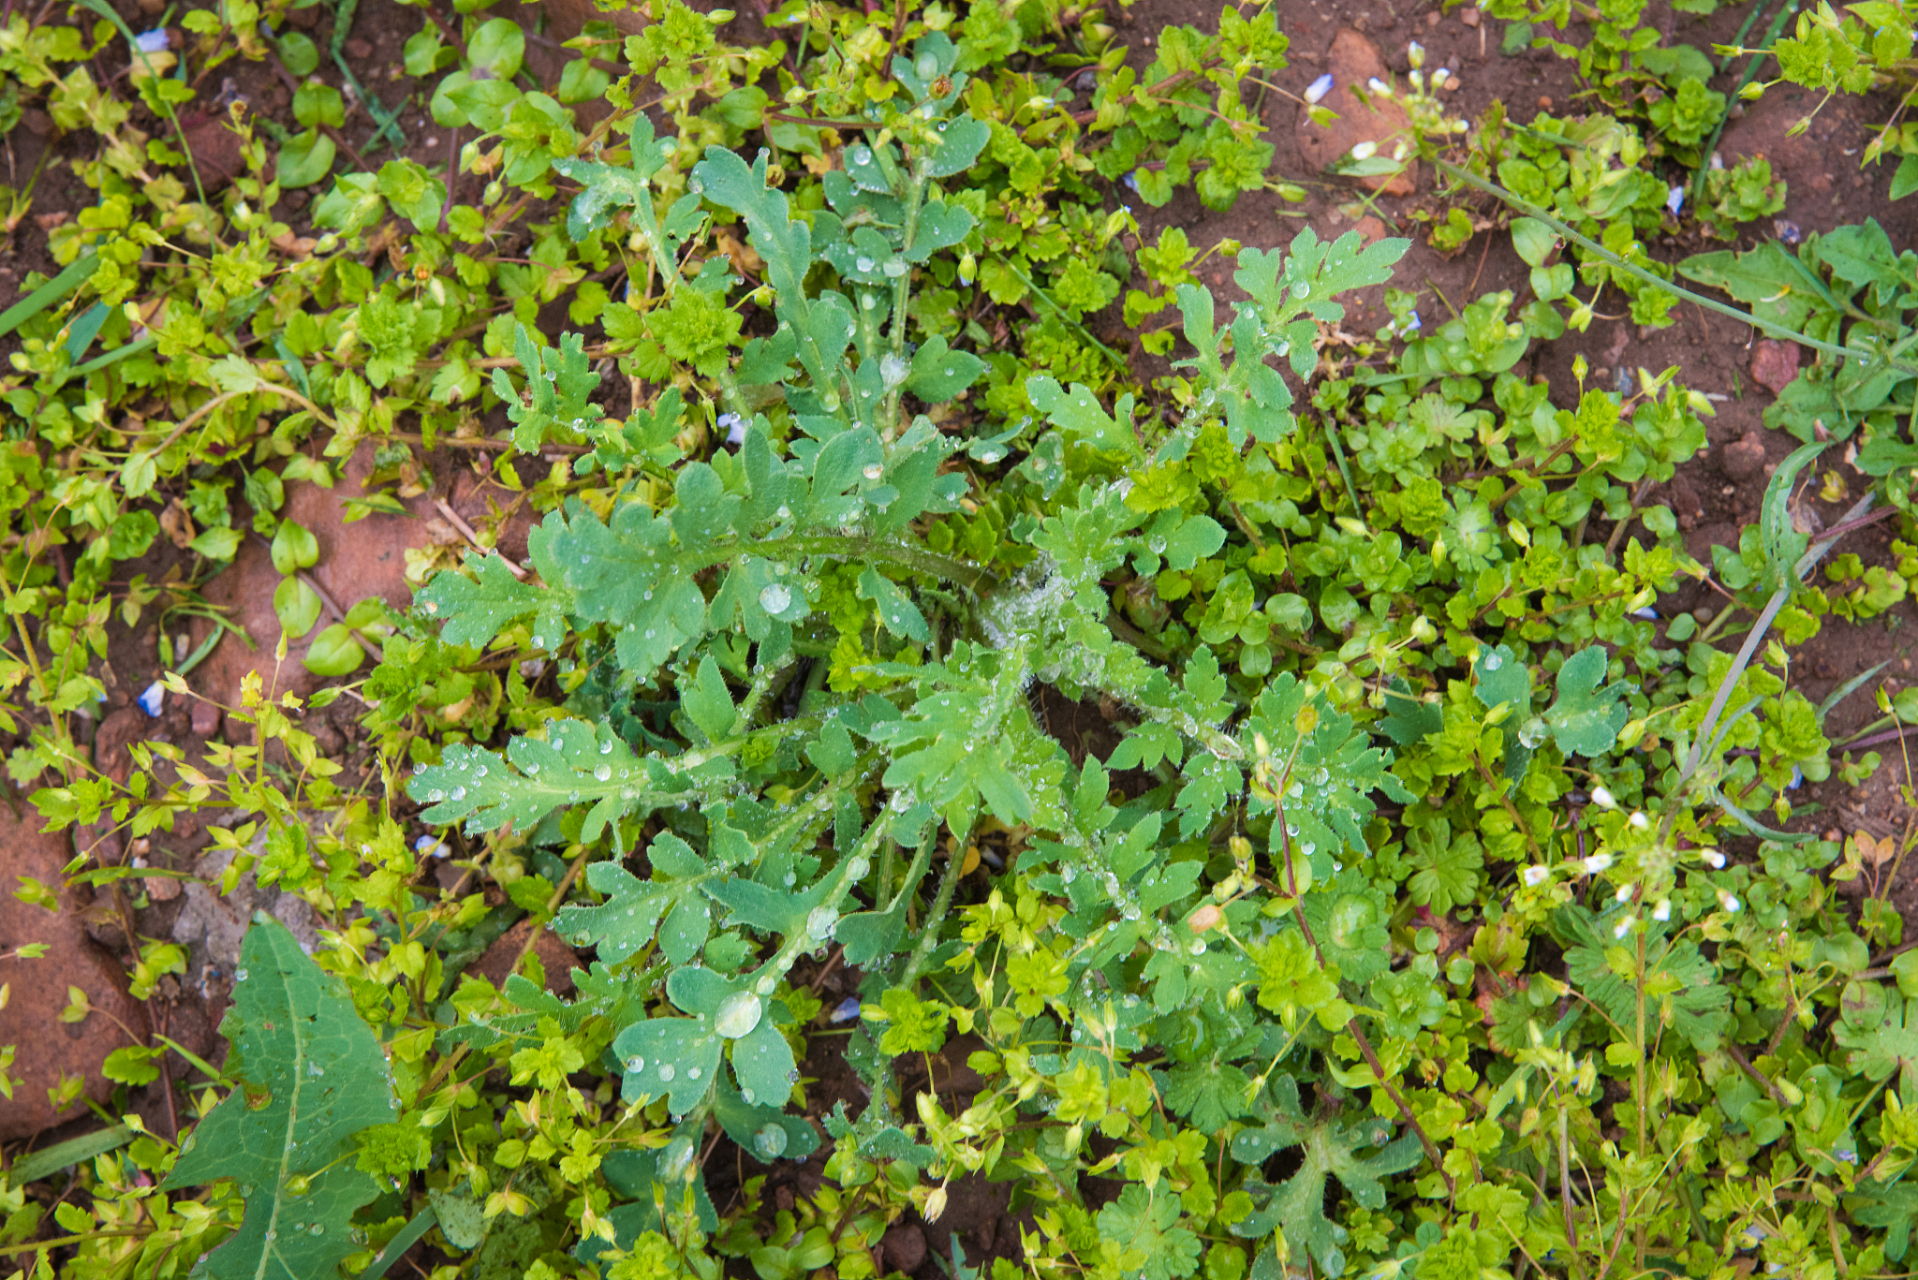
x=904 y=1247
x=47 y=1049
x=213 y=147
x=555 y=957
x=1353 y=63
x=1774 y=364
x=1745 y=457
x=206 y=719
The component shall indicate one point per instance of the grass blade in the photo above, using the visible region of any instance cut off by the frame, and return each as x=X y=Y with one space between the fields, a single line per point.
x=49 y=293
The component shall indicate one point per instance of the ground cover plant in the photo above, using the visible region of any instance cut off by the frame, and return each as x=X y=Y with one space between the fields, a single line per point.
x=969 y=729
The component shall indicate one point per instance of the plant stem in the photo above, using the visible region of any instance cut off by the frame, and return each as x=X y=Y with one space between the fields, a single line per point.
x=850 y=546
x=1639 y=273
x=941 y=903
x=1352 y=1026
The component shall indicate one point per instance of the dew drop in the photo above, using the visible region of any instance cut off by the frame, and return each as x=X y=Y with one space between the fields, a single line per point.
x=738 y=1014
x=603 y=772
x=770 y=1142
x=776 y=598
x=667 y=1072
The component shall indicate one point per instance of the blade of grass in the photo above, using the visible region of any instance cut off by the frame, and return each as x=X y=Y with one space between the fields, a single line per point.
x=1751 y=70
x=71 y=1152
x=114 y=356
x=49 y=293
x=409 y=1235
x=80 y=336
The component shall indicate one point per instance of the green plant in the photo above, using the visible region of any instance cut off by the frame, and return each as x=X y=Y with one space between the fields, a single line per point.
x=1838 y=287
x=1867 y=45
x=1398 y=916
x=311 y=1078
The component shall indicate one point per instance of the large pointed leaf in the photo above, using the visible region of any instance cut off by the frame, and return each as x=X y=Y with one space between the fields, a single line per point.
x=311 y=1076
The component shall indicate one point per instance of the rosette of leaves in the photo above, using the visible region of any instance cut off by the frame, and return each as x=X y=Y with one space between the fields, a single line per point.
x=781 y=820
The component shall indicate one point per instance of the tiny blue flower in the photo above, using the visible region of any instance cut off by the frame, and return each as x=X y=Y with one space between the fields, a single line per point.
x=1318 y=89
x=1675 y=199
x=1647 y=614
x=1412 y=325
x=153 y=698
x=153 y=41
x=1131 y=179
x=848 y=1010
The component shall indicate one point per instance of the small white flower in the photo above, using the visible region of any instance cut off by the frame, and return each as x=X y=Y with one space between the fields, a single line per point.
x=1713 y=859
x=1624 y=926
x=1639 y=821
x=1415 y=54
x=1315 y=93
x=154 y=697
x=1440 y=76
x=1603 y=798
x=1663 y=911
x=1597 y=863
x=1727 y=901
x=1624 y=893
x=1535 y=876
x=735 y=427
x=1365 y=150
x=1377 y=85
